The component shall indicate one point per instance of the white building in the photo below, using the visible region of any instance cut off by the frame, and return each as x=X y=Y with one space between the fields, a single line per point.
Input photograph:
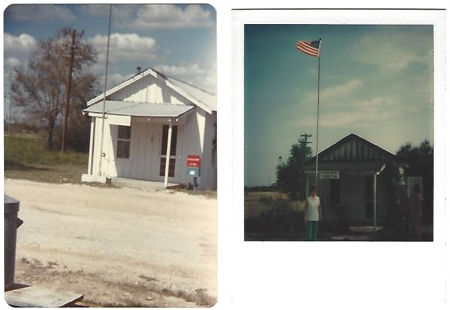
x=152 y=124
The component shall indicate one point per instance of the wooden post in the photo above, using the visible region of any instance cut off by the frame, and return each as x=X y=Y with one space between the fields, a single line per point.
x=169 y=142
x=91 y=145
x=10 y=114
x=375 y=202
x=68 y=89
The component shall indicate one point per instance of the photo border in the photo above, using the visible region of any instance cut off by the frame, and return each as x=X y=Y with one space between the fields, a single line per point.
x=401 y=273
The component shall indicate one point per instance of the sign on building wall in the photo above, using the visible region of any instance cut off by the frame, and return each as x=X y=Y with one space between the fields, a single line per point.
x=329 y=174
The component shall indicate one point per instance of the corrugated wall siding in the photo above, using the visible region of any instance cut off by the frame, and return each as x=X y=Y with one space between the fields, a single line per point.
x=354 y=150
x=149 y=89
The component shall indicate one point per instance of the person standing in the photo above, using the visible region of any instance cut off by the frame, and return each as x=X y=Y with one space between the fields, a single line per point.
x=415 y=212
x=313 y=215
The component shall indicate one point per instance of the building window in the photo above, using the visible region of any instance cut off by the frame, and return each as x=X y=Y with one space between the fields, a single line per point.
x=173 y=150
x=162 y=167
x=173 y=143
x=123 y=142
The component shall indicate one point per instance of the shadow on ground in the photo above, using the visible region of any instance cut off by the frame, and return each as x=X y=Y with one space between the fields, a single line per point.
x=13 y=165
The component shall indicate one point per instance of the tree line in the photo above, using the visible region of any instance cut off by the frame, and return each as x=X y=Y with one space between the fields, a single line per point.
x=418 y=161
x=41 y=87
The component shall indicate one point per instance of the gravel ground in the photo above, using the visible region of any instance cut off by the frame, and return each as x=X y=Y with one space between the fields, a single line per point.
x=117 y=246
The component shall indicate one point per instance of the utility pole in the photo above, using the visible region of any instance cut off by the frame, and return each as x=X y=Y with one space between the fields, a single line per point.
x=305 y=141
x=10 y=115
x=68 y=89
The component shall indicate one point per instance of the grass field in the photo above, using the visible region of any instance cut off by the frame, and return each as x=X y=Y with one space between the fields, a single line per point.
x=256 y=203
x=272 y=216
x=27 y=158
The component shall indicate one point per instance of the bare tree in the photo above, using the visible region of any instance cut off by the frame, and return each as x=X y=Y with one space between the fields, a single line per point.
x=40 y=87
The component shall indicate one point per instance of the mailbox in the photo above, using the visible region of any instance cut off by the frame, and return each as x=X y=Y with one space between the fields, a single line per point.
x=192 y=172
x=193 y=161
x=193 y=168
x=193 y=165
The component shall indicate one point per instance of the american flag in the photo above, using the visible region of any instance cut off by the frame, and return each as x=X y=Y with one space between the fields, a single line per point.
x=311 y=48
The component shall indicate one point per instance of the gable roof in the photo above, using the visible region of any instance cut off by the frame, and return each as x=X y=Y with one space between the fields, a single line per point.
x=198 y=93
x=353 y=148
x=199 y=97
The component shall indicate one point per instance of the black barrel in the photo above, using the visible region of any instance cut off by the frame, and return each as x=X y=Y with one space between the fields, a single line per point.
x=12 y=222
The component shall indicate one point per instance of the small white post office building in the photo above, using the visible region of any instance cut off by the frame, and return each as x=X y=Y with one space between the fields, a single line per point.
x=146 y=127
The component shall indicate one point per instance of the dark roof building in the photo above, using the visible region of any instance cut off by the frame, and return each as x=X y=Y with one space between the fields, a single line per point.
x=353 y=182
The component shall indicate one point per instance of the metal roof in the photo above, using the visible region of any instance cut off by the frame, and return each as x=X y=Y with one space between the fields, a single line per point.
x=351 y=153
x=139 y=108
x=353 y=148
x=197 y=96
x=205 y=97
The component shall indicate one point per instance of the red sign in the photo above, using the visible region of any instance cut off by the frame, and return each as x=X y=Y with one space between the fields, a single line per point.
x=193 y=161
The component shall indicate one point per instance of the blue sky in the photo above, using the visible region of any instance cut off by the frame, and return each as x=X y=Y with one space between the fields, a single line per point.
x=179 y=40
x=376 y=81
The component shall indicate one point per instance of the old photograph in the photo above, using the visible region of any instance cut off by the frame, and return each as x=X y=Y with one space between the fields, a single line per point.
x=110 y=152
x=338 y=141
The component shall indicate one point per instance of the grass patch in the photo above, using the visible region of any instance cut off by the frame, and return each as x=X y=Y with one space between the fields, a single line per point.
x=27 y=158
x=254 y=202
x=278 y=219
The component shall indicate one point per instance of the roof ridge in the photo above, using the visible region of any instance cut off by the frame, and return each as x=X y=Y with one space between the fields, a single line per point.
x=348 y=137
x=192 y=93
x=178 y=80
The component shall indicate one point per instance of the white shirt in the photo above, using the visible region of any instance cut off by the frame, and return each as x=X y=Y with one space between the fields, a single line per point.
x=312 y=211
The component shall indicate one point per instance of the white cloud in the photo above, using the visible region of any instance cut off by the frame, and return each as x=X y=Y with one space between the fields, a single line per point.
x=119 y=11
x=43 y=13
x=194 y=74
x=95 y=9
x=394 y=50
x=12 y=62
x=166 y=16
x=143 y=17
x=357 y=113
x=337 y=94
x=341 y=90
x=125 y=47
x=17 y=49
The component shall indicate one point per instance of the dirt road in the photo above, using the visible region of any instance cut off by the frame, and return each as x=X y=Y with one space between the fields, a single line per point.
x=117 y=246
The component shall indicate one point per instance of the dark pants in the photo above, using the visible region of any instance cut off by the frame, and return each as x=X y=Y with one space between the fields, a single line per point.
x=312 y=229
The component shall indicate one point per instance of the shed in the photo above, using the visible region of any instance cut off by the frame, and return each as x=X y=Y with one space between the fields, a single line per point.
x=353 y=181
x=146 y=127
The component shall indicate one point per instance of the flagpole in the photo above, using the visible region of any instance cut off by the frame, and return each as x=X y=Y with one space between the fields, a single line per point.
x=317 y=122
x=104 y=94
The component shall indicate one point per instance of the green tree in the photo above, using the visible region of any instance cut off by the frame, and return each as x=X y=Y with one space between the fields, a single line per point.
x=419 y=162
x=40 y=87
x=290 y=176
